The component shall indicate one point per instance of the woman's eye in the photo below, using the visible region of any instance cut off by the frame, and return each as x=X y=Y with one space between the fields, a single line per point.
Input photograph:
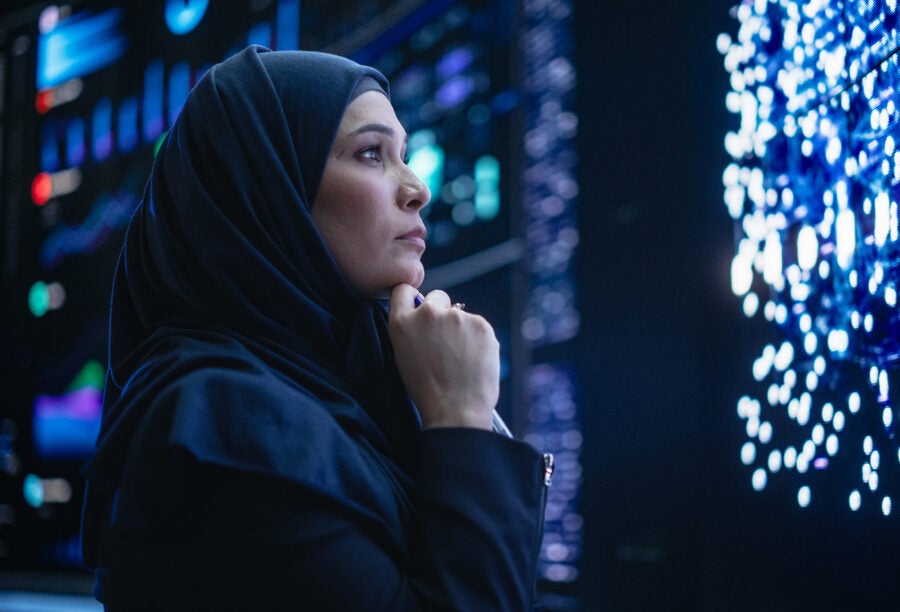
x=371 y=153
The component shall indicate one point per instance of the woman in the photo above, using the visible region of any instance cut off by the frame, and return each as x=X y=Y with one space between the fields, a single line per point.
x=259 y=448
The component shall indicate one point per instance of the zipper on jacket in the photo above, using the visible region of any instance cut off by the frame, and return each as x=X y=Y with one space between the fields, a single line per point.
x=549 y=466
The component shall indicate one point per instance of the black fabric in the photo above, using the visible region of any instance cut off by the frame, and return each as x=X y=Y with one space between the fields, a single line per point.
x=250 y=389
x=223 y=245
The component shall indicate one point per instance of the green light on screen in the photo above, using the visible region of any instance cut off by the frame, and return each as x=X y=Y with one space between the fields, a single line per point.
x=159 y=142
x=426 y=160
x=487 y=187
x=39 y=299
x=92 y=374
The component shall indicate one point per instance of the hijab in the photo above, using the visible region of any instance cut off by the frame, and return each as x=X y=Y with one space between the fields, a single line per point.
x=228 y=312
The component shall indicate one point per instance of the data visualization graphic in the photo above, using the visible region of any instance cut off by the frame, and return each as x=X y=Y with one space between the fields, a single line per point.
x=813 y=189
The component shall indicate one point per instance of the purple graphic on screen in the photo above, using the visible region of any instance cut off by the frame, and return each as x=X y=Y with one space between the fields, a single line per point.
x=67 y=425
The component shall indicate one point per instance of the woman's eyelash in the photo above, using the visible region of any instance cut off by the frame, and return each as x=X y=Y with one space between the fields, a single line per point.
x=372 y=149
x=375 y=150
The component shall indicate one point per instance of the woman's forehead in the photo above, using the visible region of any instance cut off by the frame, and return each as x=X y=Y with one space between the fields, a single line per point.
x=369 y=107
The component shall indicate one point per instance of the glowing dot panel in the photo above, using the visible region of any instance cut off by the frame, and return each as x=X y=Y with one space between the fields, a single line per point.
x=812 y=188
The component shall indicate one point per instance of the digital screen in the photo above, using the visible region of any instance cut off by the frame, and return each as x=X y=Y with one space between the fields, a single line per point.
x=494 y=143
x=813 y=191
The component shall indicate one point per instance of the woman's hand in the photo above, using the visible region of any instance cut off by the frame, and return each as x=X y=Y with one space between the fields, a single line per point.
x=449 y=359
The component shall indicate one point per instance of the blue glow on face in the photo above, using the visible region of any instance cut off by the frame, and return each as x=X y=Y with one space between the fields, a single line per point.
x=79 y=45
x=182 y=16
x=813 y=189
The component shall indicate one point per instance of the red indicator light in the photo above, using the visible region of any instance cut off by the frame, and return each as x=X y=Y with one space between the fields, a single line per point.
x=41 y=188
x=43 y=101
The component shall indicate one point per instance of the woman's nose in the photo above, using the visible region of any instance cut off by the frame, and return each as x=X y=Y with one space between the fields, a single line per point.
x=413 y=192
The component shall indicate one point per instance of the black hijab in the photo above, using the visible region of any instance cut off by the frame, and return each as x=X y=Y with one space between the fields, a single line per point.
x=228 y=313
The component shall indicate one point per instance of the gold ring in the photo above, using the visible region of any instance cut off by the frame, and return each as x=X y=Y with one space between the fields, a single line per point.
x=459 y=306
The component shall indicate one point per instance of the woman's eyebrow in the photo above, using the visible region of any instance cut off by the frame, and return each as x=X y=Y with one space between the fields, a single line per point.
x=378 y=127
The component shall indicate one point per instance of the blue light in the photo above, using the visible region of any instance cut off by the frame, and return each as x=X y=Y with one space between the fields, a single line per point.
x=260 y=34
x=179 y=87
x=182 y=16
x=101 y=128
x=49 y=147
x=287 y=25
x=813 y=190
x=127 y=132
x=454 y=62
x=154 y=123
x=76 y=148
x=487 y=187
x=33 y=490
x=426 y=160
x=79 y=45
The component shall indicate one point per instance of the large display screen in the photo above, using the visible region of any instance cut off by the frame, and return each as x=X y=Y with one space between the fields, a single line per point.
x=813 y=191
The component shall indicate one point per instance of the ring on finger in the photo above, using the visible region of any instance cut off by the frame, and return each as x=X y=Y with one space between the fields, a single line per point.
x=459 y=306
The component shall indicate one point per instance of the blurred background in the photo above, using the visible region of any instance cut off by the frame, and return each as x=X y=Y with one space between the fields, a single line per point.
x=680 y=218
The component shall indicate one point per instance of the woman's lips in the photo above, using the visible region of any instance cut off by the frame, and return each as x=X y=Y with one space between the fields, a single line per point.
x=415 y=236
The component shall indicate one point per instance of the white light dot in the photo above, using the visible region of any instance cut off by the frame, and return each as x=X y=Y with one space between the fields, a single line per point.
x=804 y=496
x=875 y=459
x=751 y=304
x=827 y=412
x=887 y=416
x=838 y=421
x=873 y=481
x=886 y=506
x=772 y=394
x=759 y=479
x=774 y=461
x=818 y=434
x=812 y=381
x=866 y=472
x=838 y=341
x=831 y=445
x=810 y=343
x=868 y=445
x=748 y=453
x=790 y=457
x=855 y=500
x=819 y=365
x=853 y=402
x=752 y=427
x=809 y=450
x=765 y=432
x=790 y=379
x=804 y=409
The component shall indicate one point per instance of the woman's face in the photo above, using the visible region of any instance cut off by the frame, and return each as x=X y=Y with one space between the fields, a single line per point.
x=368 y=204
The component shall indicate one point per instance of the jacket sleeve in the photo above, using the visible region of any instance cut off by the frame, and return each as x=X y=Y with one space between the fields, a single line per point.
x=479 y=506
x=235 y=540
